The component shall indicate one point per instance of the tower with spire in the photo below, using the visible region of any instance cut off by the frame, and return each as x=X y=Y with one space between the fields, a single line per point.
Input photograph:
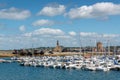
x=58 y=48
x=57 y=43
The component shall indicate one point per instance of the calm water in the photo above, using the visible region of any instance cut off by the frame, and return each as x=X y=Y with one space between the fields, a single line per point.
x=12 y=71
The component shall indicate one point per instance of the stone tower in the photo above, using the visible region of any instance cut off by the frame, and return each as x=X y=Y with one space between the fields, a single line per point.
x=57 y=43
x=58 y=47
x=99 y=47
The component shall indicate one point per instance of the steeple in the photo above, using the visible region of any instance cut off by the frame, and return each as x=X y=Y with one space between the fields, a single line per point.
x=58 y=48
x=57 y=43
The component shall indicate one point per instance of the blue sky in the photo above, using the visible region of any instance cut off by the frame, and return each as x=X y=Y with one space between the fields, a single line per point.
x=42 y=22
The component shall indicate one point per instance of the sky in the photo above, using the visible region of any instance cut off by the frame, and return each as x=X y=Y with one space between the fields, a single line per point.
x=40 y=23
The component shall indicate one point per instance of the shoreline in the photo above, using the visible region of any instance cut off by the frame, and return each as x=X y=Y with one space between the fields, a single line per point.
x=87 y=55
x=9 y=54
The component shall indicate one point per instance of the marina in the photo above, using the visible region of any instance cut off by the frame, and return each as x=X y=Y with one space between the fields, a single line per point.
x=60 y=68
x=96 y=63
x=59 y=40
x=72 y=62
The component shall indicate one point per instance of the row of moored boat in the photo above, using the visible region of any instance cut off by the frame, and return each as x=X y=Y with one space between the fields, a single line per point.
x=96 y=63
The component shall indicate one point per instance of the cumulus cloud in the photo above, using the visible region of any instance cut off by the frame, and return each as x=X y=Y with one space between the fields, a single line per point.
x=93 y=34
x=88 y=34
x=43 y=22
x=98 y=10
x=45 y=31
x=22 y=28
x=110 y=35
x=14 y=13
x=72 y=33
x=52 y=10
x=63 y=37
x=49 y=31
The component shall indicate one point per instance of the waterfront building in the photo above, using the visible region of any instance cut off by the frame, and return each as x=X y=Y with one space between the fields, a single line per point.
x=58 y=48
x=99 y=47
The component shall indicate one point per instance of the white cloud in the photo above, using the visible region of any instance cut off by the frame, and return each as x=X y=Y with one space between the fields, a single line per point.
x=63 y=37
x=72 y=33
x=97 y=10
x=52 y=10
x=14 y=13
x=110 y=35
x=43 y=22
x=48 y=31
x=88 y=34
x=93 y=34
x=27 y=34
x=45 y=31
x=22 y=28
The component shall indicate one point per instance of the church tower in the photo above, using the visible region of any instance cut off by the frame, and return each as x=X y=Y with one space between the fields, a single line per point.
x=57 y=43
x=99 y=47
x=58 y=47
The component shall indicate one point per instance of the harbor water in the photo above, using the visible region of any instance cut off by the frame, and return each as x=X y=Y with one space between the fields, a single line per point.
x=13 y=71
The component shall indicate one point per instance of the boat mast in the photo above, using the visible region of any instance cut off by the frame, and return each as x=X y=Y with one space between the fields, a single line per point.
x=114 y=53
x=80 y=43
x=108 y=47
